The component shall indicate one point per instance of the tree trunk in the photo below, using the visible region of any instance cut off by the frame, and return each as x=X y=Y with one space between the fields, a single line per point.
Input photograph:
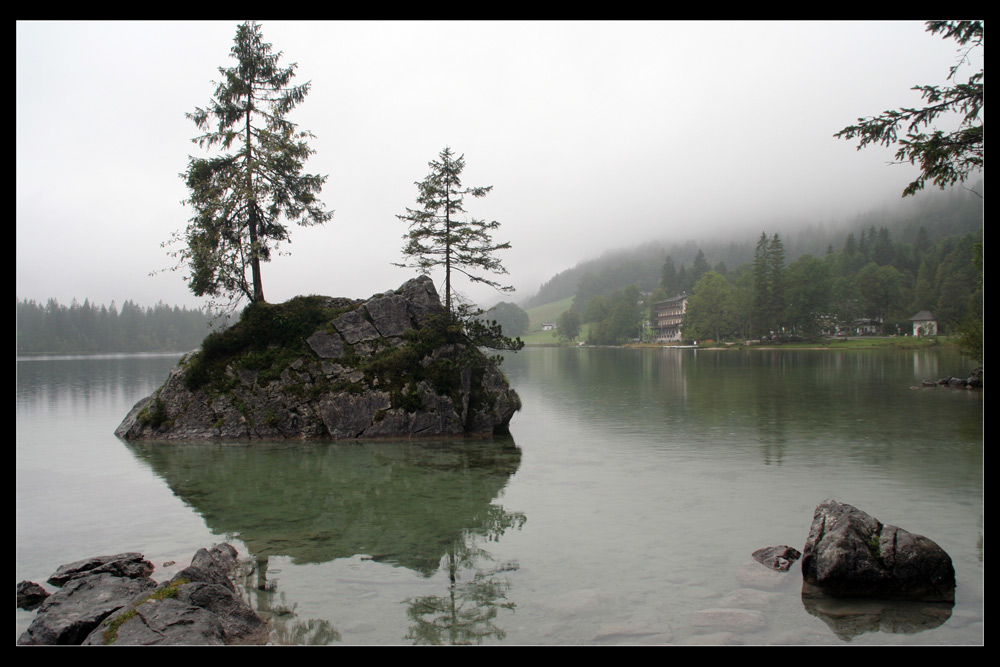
x=258 y=286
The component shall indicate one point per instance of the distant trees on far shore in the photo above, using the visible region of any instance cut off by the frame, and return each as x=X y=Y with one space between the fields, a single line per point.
x=54 y=328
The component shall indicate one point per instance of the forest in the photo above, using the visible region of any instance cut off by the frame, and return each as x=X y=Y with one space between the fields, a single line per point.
x=882 y=267
x=55 y=328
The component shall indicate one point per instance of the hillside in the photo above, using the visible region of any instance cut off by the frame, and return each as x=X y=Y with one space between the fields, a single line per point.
x=951 y=213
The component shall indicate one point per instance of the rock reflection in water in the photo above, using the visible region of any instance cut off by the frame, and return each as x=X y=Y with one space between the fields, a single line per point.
x=419 y=505
x=849 y=618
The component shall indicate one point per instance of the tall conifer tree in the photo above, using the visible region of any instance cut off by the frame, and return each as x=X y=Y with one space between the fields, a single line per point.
x=241 y=198
x=440 y=235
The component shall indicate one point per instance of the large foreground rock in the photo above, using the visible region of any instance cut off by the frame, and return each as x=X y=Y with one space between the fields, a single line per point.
x=380 y=368
x=851 y=554
x=123 y=605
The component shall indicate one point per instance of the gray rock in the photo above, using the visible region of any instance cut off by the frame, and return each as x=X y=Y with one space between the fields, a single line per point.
x=389 y=315
x=851 y=554
x=350 y=415
x=199 y=605
x=732 y=620
x=421 y=298
x=778 y=558
x=749 y=597
x=30 y=595
x=70 y=614
x=163 y=622
x=326 y=346
x=355 y=328
x=130 y=565
x=221 y=557
x=352 y=379
x=240 y=624
x=752 y=575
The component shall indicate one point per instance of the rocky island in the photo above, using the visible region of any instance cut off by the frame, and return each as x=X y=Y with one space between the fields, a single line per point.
x=393 y=366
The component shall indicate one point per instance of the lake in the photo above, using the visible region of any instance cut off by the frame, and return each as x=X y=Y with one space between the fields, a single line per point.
x=622 y=509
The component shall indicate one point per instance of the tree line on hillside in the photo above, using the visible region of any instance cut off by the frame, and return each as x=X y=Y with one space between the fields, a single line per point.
x=870 y=282
x=871 y=279
x=932 y=217
x=54 y=328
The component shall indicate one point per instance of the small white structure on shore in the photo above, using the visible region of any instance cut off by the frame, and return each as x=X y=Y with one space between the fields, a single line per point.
x=924 y=324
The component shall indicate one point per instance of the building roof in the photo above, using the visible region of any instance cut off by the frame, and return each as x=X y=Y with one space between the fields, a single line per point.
x=923 y=316
x=673 y=298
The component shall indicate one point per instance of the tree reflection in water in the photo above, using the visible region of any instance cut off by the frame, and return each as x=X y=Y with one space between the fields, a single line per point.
x=476 y=592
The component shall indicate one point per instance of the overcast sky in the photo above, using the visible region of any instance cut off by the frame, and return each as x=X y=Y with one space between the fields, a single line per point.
x=594 y=135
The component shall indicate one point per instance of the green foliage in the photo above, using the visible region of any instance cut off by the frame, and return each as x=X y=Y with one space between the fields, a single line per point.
x=569 y=325
x=769 y=285
x=439 y=237
x=53 y=328
x=112 y=626
x=241 y=198
x=622 y=323
x=265 y=334
x=710 y=309
x=699 y=268
x=438 y=352
x=511 y=317
x=945 y=158
x=596 y=308
x=880 y=290
x=875 y=546
x=971 y=334
x=490 y=335
x=808 y=294
x=155 y=414
x=668 y=277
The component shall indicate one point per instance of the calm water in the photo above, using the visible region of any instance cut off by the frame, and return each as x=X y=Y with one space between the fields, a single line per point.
x=623 y=509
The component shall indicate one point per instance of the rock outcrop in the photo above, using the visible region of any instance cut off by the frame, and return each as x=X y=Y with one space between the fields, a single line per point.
x=30 y=595
x=321 y=367
x=851 y=554
x=112 y=600
x=778 y=558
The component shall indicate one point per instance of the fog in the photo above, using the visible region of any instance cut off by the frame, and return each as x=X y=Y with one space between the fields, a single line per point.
x=594 y=135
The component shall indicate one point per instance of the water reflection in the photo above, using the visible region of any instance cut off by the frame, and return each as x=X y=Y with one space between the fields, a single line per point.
x=409 y=504
x=849 y=618
x=857 y=405
x=467 y=614
x=630 y=467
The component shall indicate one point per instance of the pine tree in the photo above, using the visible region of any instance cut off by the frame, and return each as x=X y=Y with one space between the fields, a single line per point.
x=768 y=281
x=943 y=158
x=699 y=268
x=440 y=236
x=668 y=276
x=761 y=288
x=776 y=280
x=241 y=198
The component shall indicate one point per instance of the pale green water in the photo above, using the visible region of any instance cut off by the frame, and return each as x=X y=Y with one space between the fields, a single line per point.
x=622 y=509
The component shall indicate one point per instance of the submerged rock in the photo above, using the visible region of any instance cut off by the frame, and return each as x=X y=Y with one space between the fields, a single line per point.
x=320 y=367
x=778 y=558
x=851 y=554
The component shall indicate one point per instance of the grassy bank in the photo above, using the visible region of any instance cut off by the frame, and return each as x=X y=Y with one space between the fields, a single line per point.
x=860 y=343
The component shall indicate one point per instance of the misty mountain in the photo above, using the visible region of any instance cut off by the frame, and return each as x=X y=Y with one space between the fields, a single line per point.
x=953 y=212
